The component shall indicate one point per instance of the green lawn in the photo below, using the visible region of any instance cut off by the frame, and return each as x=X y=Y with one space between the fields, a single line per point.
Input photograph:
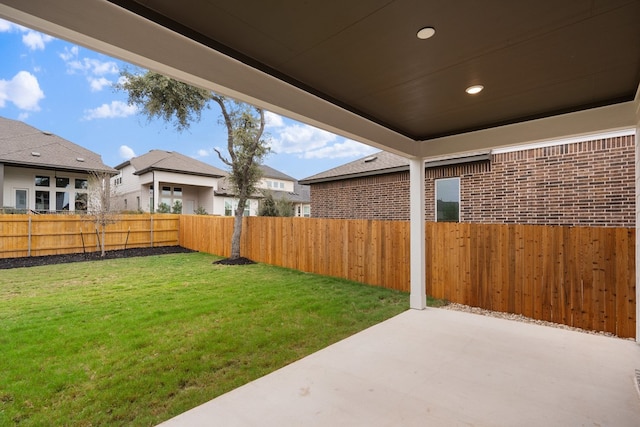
x=137 y=341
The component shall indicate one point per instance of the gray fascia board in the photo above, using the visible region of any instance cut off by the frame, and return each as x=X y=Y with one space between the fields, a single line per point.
x=355 y=175
x=122 y=165
x=57 y=167
x=428 y=164
x=458 y=160
x=151 y=169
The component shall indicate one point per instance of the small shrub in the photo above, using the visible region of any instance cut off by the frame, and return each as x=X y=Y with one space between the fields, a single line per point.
x=285 y=207
x=177 y=207
x=163 y=208
x=200 y=211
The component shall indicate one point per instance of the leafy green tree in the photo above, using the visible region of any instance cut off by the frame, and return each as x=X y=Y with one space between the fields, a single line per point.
x=284 y=207
x=271 y=207
x=268 y=206
x=177 y=207
x=181 y=104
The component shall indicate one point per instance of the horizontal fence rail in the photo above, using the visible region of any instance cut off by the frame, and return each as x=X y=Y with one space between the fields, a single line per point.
x=39 y=235
x=577 y=276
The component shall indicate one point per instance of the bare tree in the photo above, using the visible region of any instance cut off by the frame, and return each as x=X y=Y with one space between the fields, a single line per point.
x=99 y=204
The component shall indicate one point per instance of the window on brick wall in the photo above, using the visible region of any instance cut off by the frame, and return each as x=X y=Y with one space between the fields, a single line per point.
x=448 y=200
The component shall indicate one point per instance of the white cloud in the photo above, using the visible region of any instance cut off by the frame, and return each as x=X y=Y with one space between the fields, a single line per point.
x=89 y=66
x=116 y=109
x=308 y=142
x=23 y=90
x=98 y=84
x=126 y=152
x=6 y=26
x=203 y=153
x=122 y=80
x=35 y=40
x=298 y=138
x=273 y=120
x=101 y=68
x=348 y=148
x=69 y=54
x=95 y=69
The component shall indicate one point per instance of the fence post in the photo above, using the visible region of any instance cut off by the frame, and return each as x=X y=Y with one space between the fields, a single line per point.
x=151 y=226
x=29 y=238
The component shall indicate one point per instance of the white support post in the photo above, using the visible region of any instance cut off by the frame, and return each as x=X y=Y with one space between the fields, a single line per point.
x=2 y=202
x=417 y=298
x=156 y=193
x=637 y=217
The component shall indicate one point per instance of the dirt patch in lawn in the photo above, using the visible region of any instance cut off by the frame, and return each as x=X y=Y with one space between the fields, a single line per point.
x=6 y=263
x=235 y=261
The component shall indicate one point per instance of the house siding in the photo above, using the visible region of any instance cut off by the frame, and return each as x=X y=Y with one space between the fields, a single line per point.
x=15 y=177
x=197 y=191
x=590 y=183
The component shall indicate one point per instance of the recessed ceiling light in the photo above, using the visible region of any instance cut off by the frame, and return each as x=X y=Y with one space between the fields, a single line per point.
x=426 y=33
x=472 y=90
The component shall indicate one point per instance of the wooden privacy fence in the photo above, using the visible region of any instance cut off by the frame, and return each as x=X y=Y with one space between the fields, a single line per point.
x=371 y=252
x=36 y=235
x=578 y=276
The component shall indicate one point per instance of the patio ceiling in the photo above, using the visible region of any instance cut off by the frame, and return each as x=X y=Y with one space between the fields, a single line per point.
x=549 y=68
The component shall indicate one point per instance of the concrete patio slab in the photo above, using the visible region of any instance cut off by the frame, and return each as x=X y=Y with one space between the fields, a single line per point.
x=441 y=367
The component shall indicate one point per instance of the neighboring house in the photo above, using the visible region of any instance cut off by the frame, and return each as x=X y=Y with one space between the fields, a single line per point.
x=146 y=181
x=159 y=176
x=280 y=185
x=41 y=172
x=566 y=182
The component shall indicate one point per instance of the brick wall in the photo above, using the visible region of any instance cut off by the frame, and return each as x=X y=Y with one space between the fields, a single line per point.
x=589 y=183
x=384 y=197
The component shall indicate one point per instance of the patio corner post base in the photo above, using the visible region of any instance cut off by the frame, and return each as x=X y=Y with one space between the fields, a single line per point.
x=418 y=297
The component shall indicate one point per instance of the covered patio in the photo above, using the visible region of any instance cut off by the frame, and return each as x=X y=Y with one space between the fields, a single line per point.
x=440 y=367
x=368 y=71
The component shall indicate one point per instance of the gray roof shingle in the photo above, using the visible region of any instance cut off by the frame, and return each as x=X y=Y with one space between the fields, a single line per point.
x=301 y=193
x=24 y=145
x=374 y=164
x=171 y=161
x=269 y=172
x=384 y=162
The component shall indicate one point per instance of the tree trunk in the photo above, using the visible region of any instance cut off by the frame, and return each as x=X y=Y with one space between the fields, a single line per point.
x=237 y=232
x=102 y=243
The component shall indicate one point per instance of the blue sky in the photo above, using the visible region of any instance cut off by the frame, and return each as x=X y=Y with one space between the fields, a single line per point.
x=67 y=89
